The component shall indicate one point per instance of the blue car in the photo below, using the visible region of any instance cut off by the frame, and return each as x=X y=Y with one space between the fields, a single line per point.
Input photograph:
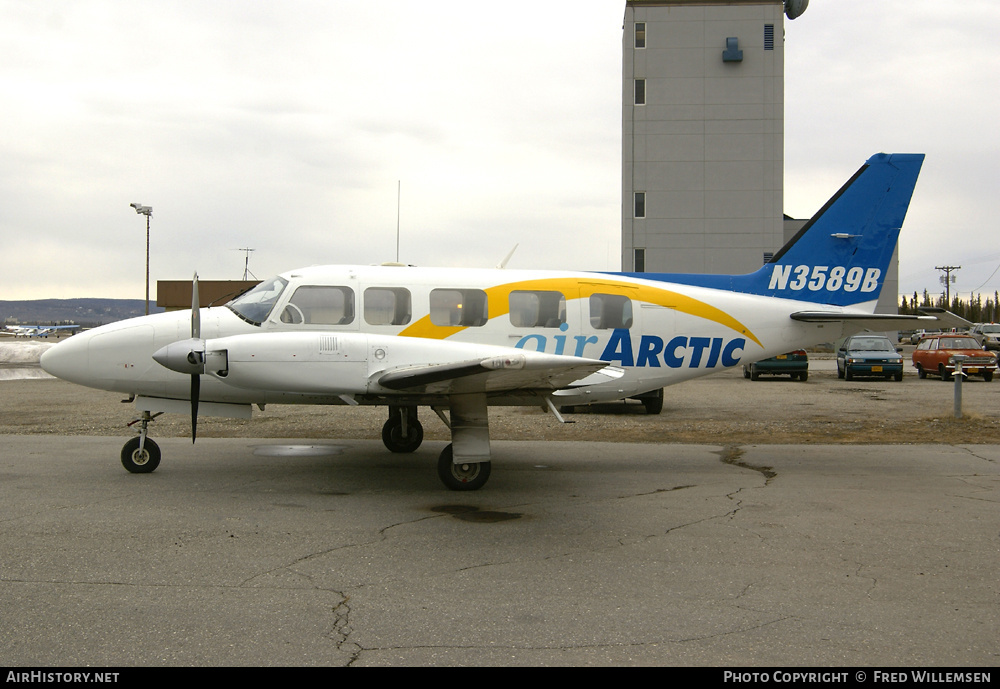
x=872 y=356
x=794 y=364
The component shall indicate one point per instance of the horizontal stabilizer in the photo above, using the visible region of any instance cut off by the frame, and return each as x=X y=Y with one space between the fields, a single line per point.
x=938 y=318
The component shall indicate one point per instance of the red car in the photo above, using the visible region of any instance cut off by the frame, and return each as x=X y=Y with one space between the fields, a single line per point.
x=935 y=354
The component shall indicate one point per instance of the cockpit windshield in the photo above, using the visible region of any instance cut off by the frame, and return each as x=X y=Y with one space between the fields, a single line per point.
x=255 y=305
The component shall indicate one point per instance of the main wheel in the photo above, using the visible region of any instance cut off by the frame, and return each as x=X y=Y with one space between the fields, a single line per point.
x=140 y=462
x=395 y=441
x=465 y=476
x=653 y=403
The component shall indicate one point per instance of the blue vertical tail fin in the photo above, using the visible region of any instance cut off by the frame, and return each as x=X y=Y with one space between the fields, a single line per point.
x=841 y=256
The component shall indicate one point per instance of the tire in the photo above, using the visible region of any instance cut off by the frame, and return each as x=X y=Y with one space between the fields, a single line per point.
x=753 y=373
x=144 y=462
x=653 y=403
x=840 y=371
x=463 y=477
x=847 y=374
x=804 y=376
x=987 y=376
x=392 y=435
x=898 y=376
x=943 y=372
x=921 y=373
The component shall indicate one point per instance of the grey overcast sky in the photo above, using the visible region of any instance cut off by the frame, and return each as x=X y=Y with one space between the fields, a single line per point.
x=289 y=128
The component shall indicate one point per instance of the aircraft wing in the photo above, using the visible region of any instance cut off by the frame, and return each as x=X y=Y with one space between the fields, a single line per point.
x=500 y=373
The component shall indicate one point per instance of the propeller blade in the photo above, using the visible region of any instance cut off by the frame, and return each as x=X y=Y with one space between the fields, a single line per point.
x=195 y=394
x=195 y=310
x=196 y=335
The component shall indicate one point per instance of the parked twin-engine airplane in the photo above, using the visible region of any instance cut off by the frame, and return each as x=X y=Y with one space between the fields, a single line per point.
x=38 y=330
x=461 y=340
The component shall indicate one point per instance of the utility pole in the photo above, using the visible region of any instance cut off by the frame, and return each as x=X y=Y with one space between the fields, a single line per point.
x=947 y=279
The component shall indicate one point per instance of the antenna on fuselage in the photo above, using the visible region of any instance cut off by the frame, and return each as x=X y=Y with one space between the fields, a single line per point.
x=503 y=263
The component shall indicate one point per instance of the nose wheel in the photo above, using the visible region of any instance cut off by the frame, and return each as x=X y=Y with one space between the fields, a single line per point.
x=141 y=455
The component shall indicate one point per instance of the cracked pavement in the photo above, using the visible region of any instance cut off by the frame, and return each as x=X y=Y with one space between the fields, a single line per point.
x=268 y=552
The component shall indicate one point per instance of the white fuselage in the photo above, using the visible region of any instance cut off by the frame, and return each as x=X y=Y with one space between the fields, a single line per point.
x=323 y=335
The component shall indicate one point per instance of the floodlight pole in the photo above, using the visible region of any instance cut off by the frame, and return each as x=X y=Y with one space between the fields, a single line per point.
x=148 y=212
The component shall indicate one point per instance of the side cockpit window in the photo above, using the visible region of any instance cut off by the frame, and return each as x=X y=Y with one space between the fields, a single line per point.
x=255 y=306
x=319 y=305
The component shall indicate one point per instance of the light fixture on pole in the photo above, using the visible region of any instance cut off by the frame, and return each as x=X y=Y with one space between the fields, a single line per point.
x=148 y=212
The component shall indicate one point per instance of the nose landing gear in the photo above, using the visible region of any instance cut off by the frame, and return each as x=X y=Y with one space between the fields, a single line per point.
x=141 y=455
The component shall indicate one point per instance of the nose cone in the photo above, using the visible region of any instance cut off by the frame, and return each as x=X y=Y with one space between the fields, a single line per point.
x=67 y=360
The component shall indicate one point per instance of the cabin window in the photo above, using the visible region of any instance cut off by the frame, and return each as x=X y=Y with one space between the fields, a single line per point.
x=459 y=307
x=387 y=306
x=537 y=309
x=610 y=311
x=320 y=305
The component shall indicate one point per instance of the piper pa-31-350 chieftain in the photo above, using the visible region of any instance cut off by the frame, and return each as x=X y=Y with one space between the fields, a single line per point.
x=461 y=340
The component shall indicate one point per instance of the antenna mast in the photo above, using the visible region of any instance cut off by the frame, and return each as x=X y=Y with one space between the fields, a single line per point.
x=246 y=264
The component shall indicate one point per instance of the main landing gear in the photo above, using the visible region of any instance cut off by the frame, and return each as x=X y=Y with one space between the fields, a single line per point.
x=402 y=432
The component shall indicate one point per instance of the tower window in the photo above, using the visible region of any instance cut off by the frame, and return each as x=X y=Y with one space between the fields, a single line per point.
x=640 y=91
x=640 y=34
x=640 y=204
x=639 y=261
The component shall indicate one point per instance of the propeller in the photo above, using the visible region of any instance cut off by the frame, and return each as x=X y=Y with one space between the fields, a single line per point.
x=197 y=356
x=188 y=356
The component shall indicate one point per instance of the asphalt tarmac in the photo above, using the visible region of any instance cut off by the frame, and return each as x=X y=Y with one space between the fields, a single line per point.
x=243 y=552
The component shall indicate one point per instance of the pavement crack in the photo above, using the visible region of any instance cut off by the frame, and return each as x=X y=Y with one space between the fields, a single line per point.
x=733 y=455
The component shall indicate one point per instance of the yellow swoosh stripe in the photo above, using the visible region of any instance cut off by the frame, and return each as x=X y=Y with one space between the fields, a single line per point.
x=498 y=300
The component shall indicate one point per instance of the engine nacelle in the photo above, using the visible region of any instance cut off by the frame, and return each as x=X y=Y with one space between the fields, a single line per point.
x=302 y=362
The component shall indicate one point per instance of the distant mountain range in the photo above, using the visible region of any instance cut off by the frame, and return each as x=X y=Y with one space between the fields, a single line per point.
x=83 y=312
